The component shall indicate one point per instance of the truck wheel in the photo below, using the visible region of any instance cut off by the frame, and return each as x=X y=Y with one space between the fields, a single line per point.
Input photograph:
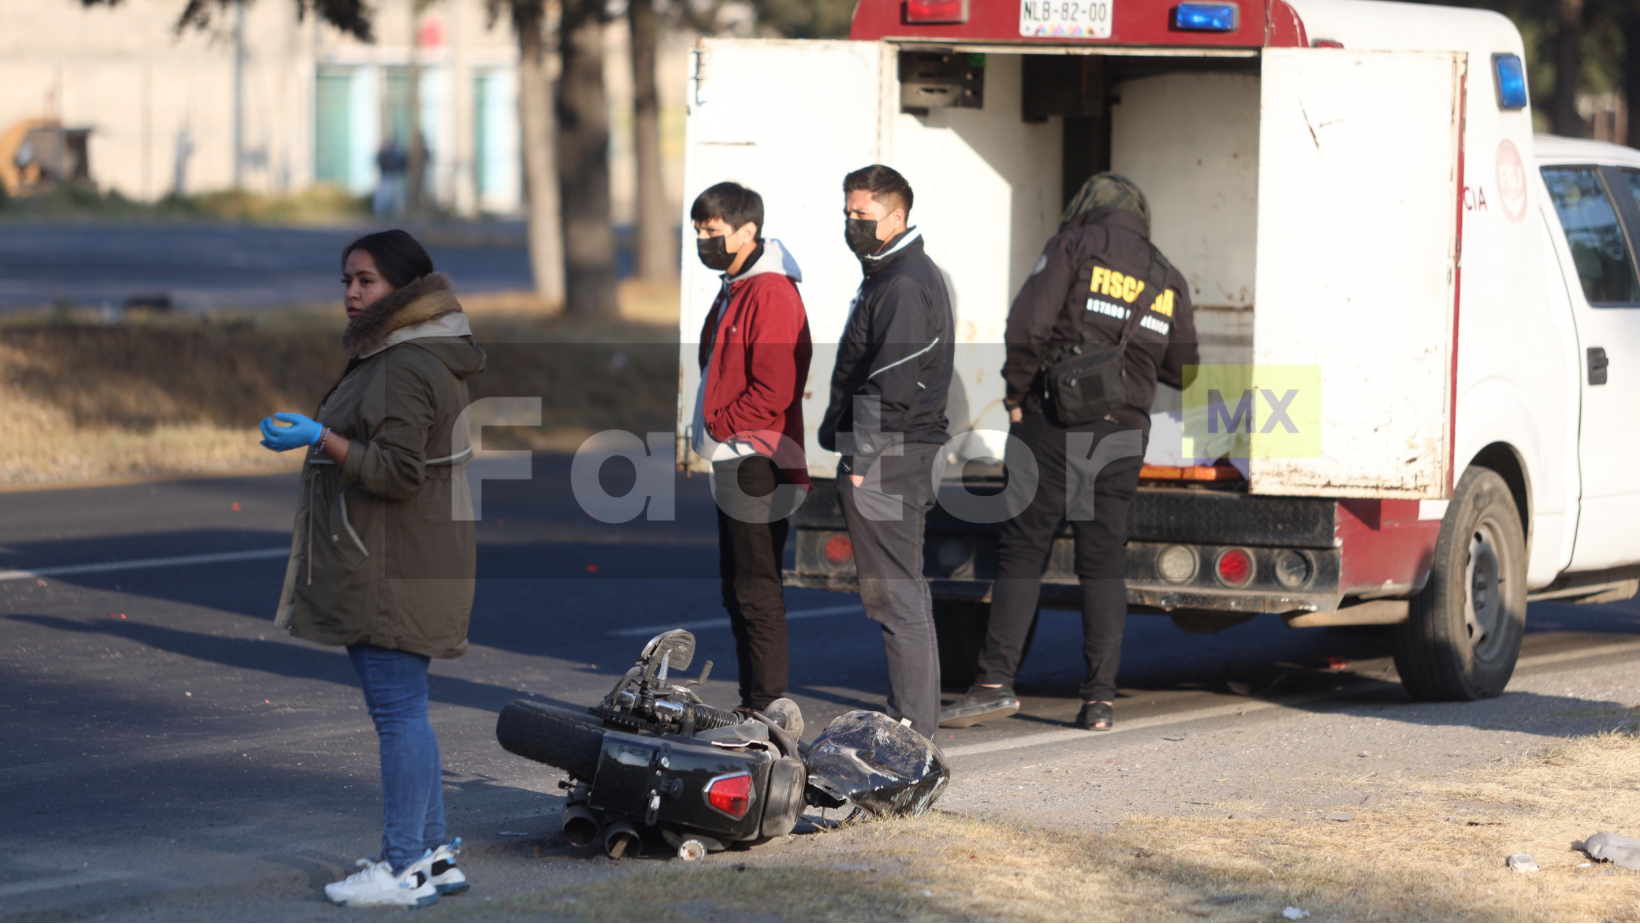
x=564 y=738
x=1465 y=627
x=959 y=626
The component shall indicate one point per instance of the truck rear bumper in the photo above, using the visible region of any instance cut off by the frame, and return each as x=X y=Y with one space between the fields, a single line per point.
x=1291 y=543
x=1061 y=594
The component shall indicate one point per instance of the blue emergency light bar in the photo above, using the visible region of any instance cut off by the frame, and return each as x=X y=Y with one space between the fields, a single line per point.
x=1205 y=17
x=1511 y=76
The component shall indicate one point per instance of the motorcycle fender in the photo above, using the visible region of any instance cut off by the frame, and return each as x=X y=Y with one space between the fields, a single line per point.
x=784 y=803
x=662 y=781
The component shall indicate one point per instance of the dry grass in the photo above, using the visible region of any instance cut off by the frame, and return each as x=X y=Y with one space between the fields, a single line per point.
x=1434 y=852
x=160 y=395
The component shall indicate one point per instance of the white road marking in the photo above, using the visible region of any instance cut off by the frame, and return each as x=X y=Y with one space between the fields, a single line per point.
x=724 y=622
x=142 y=564
x=1241 y=708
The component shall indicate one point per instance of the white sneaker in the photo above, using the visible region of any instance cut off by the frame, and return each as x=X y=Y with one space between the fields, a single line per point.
x=375 y=885
x=440 y=866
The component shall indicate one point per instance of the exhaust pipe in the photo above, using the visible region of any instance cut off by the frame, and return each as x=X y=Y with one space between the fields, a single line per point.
x=622 y=840
x=581 y=827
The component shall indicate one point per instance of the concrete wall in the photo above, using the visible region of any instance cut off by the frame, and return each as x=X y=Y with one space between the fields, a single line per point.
x=157 y=100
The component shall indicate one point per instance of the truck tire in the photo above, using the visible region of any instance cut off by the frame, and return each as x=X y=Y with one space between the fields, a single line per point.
x=557 y=737
x=1464 y=629
x=959 y=627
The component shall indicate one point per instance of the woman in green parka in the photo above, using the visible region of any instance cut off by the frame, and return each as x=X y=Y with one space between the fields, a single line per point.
x=382 y=558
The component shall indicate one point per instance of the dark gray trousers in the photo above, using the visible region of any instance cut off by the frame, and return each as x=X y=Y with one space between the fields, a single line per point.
x=885 y=519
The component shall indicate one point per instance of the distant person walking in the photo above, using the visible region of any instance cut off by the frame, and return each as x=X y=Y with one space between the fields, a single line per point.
x=392 y=163
x=887 y=419
x=383 y=556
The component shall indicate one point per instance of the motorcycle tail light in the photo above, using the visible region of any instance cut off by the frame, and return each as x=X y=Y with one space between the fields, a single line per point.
x=839 y=550
x=731 y=795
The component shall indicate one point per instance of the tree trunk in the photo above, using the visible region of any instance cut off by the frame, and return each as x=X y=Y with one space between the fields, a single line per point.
x=1563 y=119
x=657 y=250
x=535 y=121
x=583 y=161
x=1631 y=74
x=417 y=168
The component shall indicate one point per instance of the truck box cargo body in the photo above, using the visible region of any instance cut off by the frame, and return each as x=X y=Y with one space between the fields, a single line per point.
x=1353 y=192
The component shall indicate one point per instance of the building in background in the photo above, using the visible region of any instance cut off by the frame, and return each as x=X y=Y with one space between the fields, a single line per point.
x=312 y=105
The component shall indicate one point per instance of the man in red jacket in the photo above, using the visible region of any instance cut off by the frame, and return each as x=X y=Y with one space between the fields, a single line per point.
x=754 y=360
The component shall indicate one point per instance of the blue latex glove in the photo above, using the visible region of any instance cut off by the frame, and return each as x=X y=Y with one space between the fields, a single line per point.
x=298 y=431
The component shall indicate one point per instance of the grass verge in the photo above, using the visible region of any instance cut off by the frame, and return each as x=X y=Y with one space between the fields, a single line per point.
x=321 y=205
x=1433 y=851
x=160 y=395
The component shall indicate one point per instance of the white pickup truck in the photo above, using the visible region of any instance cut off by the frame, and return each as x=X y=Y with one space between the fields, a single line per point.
x=1354 y=192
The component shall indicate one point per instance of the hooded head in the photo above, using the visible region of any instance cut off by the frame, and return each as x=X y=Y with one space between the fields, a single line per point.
x=1107 y=190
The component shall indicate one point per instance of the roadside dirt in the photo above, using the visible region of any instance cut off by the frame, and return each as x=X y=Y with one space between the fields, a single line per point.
x=1430 y=849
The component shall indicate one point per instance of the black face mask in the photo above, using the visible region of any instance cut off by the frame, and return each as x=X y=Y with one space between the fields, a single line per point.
x=861 y=235
x=714 y=252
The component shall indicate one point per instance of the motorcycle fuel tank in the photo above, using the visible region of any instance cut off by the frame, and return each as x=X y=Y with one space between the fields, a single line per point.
x=876 y=763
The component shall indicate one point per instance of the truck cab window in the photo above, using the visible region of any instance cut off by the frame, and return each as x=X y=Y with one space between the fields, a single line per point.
x=1594 y=235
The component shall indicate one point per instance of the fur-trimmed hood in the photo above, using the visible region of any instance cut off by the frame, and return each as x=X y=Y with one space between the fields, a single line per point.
x=432 y=296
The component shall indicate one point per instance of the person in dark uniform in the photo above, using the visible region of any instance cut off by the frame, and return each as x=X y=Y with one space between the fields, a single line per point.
x=1098 y=280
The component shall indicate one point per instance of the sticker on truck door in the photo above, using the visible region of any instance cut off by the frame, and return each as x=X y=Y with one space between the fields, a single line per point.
x=1065 y=18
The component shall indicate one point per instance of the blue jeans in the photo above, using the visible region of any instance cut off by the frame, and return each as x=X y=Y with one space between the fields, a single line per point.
x=395 y=690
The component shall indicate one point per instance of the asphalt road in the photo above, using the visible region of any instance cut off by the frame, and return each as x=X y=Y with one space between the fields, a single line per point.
x=201 y=266
x=166 y=754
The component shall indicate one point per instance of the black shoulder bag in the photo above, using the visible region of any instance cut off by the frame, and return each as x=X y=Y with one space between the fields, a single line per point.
x=1086 y=381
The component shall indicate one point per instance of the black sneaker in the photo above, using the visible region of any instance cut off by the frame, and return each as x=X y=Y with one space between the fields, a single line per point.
x=978 y=705
x=1096 y=717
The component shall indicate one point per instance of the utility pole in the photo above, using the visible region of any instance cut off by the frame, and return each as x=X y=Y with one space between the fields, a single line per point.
x=239 y=95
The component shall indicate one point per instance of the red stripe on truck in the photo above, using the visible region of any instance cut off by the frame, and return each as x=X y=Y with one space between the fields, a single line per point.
x=1384 y=545
x=1285 y=28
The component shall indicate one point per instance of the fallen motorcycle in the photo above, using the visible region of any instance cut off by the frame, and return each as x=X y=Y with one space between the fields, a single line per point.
x=652 y=758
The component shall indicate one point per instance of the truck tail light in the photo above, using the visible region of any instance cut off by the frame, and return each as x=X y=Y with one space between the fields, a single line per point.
x=934 y=12
x=1293 y=569
x=1205 y=17
x=1234 y=567
x=731 y=795
x=839 y=550
x=1176 y=564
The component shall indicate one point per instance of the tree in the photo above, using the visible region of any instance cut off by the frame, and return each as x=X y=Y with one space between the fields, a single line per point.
x=804 y=19
x=537 y=140
x=656 y=249
x=1569 y=18
x=1628 y=18
x=350 y=16
x=583 y=160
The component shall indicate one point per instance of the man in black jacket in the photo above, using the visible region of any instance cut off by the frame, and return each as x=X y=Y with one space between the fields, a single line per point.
x=1098 y=279
x=887 y=418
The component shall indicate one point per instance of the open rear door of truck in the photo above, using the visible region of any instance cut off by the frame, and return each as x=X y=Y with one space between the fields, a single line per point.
x=788 y=119
x=1359 y=203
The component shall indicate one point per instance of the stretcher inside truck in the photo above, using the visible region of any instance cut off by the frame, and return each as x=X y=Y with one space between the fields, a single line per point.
x=1378 y=433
